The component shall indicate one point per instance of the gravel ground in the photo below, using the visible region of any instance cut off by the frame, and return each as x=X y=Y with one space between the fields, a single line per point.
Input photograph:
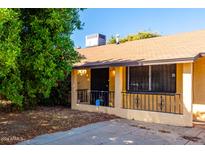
x=16 y=127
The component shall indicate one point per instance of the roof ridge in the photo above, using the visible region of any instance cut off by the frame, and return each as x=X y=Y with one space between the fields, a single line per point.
x=146 y=39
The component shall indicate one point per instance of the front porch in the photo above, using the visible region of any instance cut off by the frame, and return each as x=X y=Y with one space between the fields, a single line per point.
x=156 y=102
x=124 y=92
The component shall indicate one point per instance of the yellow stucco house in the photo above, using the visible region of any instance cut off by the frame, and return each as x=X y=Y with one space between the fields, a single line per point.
x=159 y=80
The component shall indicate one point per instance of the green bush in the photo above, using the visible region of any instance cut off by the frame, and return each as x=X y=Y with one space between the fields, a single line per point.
x=10 y=50
x=138 y=36
x=60 y=95
x=36 y=52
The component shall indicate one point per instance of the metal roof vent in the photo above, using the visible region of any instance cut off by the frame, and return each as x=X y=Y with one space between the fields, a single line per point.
x=117 y=39
x=95 y=40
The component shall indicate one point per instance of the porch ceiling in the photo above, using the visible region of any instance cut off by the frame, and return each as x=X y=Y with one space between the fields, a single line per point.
x=179 y=48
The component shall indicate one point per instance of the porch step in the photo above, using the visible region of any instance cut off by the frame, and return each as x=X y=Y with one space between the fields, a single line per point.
x=200 y=124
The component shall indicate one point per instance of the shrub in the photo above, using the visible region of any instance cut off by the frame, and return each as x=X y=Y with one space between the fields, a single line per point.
x=138 y=36
x=36 y=51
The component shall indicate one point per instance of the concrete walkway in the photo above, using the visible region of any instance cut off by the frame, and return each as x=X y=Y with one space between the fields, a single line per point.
x=122 y=131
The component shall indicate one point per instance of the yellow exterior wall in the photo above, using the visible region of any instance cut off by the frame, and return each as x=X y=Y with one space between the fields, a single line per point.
x=199 y=89
x=146 y=116
x=124 y=79
x=83 y=80
x=199 y=81
x=184 y=75
x=155 y=99
x=118 y=87
x=111 y=79
x=179 y=82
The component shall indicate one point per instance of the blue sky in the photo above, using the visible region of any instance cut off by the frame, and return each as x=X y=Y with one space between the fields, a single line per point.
x=130 y=21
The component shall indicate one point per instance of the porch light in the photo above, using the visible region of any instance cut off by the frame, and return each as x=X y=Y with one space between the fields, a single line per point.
x=113 y=72
x=82 y=72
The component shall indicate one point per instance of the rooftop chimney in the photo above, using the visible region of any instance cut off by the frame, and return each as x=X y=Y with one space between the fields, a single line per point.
x=95 y=40
x=117 y=37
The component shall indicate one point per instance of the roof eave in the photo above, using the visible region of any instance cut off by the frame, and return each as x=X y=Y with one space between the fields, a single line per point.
x=137 y=63
x=142 y=63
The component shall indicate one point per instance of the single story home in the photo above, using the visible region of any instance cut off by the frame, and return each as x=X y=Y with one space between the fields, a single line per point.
x=160 y=80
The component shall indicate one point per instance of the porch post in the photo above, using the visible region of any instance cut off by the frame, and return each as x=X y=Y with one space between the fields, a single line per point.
x=187 y=92
x=73 y=89
x=118 y=86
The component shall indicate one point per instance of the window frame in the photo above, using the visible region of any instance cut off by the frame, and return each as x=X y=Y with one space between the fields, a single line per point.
x=150 y=81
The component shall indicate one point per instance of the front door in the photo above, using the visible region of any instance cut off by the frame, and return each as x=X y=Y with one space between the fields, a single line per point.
x=100 y=85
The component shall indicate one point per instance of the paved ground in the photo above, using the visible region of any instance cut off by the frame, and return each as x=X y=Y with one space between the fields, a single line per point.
x=122 y=131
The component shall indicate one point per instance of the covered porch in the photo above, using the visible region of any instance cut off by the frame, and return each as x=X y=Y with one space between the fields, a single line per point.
x=152 y=93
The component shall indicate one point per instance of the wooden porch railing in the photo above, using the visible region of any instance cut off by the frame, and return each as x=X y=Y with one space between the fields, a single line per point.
x=158 y=102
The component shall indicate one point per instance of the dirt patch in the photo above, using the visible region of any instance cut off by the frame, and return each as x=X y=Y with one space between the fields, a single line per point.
x=191 y=138
x=16 y=127
x=164 y=131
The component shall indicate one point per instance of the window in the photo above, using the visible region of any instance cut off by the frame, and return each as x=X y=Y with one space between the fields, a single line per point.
x=139 y=78
x=164 y=78
x=159 y=78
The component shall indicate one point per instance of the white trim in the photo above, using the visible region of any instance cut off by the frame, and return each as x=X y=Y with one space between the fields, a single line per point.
x=188 y=91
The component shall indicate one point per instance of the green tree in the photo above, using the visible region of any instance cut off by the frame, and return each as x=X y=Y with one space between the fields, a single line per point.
x=138 y=36
x=48 y=52
x=10 y=49
x=112 y=40
x=45 y=52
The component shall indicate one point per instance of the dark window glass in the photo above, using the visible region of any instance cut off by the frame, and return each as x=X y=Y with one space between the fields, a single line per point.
x=164 y=78
x=139 y=78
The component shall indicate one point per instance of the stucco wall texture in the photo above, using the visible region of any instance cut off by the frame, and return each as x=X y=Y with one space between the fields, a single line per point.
x=190 y=82
x=199 y=89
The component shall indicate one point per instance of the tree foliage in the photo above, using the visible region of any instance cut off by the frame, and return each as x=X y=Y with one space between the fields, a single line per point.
x=138 y=36
x=36 y=51
x=10 y=50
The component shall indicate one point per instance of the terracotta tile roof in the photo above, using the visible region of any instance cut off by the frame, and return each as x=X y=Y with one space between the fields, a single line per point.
x=173 y=48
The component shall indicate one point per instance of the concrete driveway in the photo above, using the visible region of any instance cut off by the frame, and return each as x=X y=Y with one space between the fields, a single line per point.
x=122 y=131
